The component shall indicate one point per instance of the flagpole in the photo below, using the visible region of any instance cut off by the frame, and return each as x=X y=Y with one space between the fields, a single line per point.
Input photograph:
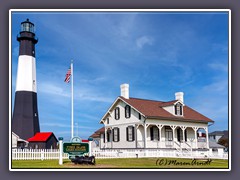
x=72 y=98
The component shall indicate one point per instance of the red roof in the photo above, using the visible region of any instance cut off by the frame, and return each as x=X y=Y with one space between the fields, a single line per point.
x=154 y=109
x=40 y=137
x=97 y=133
x=85 y=140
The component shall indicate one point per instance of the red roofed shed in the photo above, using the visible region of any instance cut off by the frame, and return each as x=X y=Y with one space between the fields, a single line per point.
x=43 y=140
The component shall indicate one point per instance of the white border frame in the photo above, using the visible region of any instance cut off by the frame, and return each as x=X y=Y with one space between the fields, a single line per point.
x=119 y=10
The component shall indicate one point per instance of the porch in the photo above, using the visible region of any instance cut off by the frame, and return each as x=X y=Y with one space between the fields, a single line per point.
x=171 y=136
x=159 y=136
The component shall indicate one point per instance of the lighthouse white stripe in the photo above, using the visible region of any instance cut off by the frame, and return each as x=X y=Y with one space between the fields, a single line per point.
x=26 y=74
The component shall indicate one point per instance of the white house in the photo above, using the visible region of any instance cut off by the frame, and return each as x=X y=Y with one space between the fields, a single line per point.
x=216 y=135
x=132 y=123
x=17 y=142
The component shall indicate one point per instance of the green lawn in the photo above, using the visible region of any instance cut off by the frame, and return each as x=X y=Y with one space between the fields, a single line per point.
x=169 y=163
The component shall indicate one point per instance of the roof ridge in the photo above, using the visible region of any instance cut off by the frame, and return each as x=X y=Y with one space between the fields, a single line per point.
x=145 y=99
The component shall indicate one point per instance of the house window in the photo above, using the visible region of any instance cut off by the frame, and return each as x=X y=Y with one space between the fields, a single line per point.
x=107 y=120
x=127 y=111
x=169 y=134
x=178 y=109
x=139 y=116
x=154 y=133
x=116 y=136
x=108 y=135
x=130 y=133
x=117 y=113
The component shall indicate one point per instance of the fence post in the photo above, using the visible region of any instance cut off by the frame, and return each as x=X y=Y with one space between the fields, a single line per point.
x=60 y=150
x=90 y=146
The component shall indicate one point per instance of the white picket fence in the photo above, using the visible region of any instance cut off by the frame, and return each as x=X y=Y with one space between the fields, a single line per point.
x=36 y=154
x=43 y=154
x=104 y=154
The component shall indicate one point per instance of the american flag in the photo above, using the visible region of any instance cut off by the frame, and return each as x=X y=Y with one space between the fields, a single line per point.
x=68 y=75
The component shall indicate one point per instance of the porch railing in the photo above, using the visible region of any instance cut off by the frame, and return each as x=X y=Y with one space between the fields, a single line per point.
x=164 y=144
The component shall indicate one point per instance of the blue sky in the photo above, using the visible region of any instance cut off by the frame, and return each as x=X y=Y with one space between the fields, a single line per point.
x=157 y=53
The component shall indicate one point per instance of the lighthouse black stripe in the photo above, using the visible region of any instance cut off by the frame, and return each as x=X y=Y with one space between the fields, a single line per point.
x=25 y=122
x=27 y=43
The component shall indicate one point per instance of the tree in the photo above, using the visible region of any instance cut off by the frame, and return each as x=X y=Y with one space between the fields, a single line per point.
x=223 y=142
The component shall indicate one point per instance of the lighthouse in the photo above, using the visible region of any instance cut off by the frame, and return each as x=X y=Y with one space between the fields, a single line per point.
x=25 y=121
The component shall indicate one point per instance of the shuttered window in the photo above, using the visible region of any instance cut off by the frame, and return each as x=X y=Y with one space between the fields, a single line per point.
x=127 y=111
x=116 y=134
x=117 y=113
x=130 y=133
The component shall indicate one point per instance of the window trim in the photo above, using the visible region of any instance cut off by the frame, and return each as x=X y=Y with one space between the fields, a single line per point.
x=116 y=134
x=127 y=111
x=178 y=109
x=117 y=113
x=168 y=131
x=154 y=133
x=132 y=129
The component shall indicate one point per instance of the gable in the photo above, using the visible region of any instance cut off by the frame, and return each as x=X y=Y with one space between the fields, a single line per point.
x=117 y=103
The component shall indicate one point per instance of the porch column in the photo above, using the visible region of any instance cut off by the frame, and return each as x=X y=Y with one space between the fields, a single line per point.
x=195 y=134
x=206 y=130
x=160 y=134
x=183 y=131
x=173 y=129
x=145 y=135
x=136 y=138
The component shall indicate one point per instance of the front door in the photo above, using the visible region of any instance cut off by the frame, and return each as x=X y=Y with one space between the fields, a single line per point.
x=179 y=135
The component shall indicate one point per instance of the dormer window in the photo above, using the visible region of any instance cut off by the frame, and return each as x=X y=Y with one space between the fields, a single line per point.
x=179 y=109
x=127 y=111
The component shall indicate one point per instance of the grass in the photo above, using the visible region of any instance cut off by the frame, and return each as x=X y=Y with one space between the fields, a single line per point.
x=169 y=163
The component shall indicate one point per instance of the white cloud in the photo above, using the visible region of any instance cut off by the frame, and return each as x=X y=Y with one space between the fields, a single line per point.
x=144 y=40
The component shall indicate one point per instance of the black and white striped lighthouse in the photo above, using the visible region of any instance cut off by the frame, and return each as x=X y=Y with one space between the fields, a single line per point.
x=25 y=122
